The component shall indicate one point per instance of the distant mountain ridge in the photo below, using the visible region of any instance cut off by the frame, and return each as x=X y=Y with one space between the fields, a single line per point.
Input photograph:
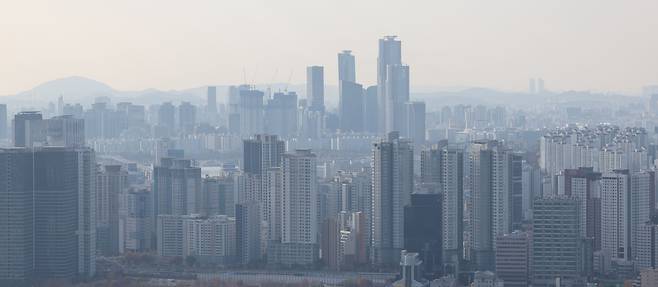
x=77 y=89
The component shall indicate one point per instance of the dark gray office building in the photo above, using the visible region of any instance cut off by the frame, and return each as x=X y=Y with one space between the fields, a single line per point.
x=48 y=226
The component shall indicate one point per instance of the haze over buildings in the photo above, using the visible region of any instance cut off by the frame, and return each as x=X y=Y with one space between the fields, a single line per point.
x=354 y=177
x=472 y=43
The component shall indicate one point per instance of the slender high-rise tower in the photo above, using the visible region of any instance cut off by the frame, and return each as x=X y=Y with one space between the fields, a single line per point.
x=110 y=183
x=494 y=174
x=250 y=112
x=212 y=100
x=390 y=54
x=451 y=171
x=351 y=95
x=393 y=173
x=346 y=66
x=315 y=88
x=299 y=212
x=397 y=94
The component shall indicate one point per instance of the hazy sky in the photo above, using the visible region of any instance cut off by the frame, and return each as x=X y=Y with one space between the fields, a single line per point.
x=137 y=44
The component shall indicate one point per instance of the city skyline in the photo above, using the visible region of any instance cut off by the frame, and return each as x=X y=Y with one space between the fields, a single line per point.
x=472 y=43
x=346 y=180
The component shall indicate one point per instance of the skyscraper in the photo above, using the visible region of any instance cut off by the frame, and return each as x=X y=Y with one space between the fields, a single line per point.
x=135 y=220
x=220 y=194
x=346 y=66
x=390 y=54
x=65 y=131
x=234 y=111
x=315 y=88
x=423 y=232
x=250 y=112
x=584 y=185
x=186 y=117
x=17 y=208
x=513 y=258
x=167 y=116
x=211 y=103
x=28 y=129
x=281 y=114
x=414 y=122
x=397 y=94
x=646 y=253
x=299 y=216
x=452 y=187
x=370 y=110
x=642 y=206
x=111 y=182
x=615 y=215
x=51 y=214
x=392 y=186
x=176 y=188
x=262 y=152
x=248 y=236
x=299 y=197
x=556 y=219
x=351 y=96
x=494 y=177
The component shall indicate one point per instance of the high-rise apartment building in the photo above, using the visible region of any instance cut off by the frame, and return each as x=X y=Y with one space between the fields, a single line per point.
x=452 y=187
x=250 y=110
x=135 y=220
x=220 y=195
x=642 y=206
x=392 y=181
x=176 y=188
x=281 y=114
x=495 y=176
x=111 y=182
x=615 y=215
x=646 y=240
x=209 y=239
x=248 y=235
x=584 y=185
x=299 y=215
